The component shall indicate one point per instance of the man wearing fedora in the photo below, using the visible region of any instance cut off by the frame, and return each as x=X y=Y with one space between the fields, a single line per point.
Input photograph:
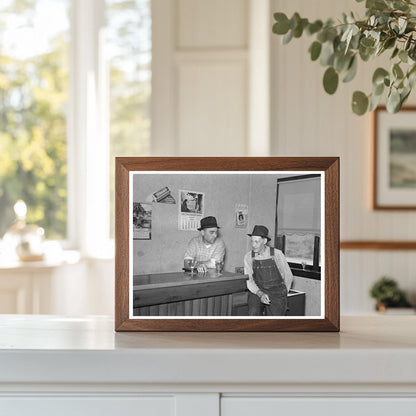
x=207 y=248
x=269 y=274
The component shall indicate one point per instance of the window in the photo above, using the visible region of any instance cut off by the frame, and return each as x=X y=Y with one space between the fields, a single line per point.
x=33 y=98
x=129 y=46
x=75 y=87
x=299 y=218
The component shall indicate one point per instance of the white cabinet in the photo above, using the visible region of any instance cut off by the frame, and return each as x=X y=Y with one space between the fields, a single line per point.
x=79 y=366
x=323 y=406
x=91 y=405
x=66 y=286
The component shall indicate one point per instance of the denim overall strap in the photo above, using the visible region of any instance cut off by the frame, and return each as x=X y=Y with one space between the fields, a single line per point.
x=266 y=275
x=269 y=280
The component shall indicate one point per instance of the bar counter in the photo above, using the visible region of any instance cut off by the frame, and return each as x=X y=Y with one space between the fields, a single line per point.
x=186 y=294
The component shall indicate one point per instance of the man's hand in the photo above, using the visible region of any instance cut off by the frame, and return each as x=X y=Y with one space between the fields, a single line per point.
x=265 y=299
x=202 y=268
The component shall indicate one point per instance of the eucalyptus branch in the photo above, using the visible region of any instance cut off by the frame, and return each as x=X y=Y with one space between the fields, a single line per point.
x=388 y=25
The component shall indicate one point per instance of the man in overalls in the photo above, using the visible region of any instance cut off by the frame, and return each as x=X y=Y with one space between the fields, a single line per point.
x=269 y=274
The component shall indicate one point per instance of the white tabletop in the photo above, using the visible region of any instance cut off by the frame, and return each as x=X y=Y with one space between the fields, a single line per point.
x=373 y=349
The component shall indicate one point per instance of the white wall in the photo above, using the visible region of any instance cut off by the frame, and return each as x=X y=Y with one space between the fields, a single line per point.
x=200 y=77
x=204 y=85
x=308 y=122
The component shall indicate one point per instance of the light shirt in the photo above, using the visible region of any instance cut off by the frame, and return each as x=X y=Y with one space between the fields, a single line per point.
x=281 y=264
x=202 y=252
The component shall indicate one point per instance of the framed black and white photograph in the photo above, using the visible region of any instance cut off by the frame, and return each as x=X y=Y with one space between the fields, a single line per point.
x=276 y=269
x=394 y=184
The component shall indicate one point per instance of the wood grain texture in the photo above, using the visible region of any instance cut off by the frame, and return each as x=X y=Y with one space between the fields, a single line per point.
x=329 y=165
x=148 y=295
x=377 y=245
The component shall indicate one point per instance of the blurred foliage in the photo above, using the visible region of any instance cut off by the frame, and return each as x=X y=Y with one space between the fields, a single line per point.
x=389 y=27
x=33 y=109
x=33 y=98
x=386 y=291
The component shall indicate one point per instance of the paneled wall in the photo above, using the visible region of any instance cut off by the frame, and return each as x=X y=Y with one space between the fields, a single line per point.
x=224 y=86
x=305 y=121
x=200 y=73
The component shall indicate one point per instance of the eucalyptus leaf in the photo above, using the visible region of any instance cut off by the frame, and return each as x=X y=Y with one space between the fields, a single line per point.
x=288 y=37
x=315 y=50
x=330 y=80
x=397 y=71
x=281 y=26
x=378 y=89
x=402 y=22
x=393 y=101
x=374 y=102
x=400 y=5
x=350 y=73
x=322 y=36
x=298 y=30
x=376 y=4
x=411 y=78
x=408 y=42
x=367 y=42
x=412 y=52
x=395 y=52
x=403 y=56
x=404 y=96
x=412 y=70
x=327 y=53
x=378 y=76
x=389 y=43
x=314 y=27
x=366 y=53
x=359 y=103
x=341 y=62
x=294 y=21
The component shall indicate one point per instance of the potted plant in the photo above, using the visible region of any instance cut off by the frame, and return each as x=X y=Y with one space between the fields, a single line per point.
x=387 y=294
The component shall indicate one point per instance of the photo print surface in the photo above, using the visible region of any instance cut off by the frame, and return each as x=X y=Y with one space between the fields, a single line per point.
x=240 y=208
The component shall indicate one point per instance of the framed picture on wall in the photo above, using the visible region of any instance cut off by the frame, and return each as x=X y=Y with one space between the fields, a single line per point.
x=217 y=276
x=394 y=178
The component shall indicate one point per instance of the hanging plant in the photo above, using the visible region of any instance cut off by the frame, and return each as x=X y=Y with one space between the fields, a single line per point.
x=389 y=27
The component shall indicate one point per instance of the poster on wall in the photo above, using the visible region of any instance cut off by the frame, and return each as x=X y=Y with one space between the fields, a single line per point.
x=241 y=216
x=191 y=209
x=142 y=221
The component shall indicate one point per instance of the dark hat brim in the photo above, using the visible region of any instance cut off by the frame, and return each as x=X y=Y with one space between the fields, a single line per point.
x=262 y=236
x=208 y=226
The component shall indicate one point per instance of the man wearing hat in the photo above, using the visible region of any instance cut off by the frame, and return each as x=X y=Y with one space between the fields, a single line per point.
x=269 y=274
x=207 y=248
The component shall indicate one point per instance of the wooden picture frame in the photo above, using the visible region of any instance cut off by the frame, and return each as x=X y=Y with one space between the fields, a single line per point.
x=141 y=172
x=394 y=158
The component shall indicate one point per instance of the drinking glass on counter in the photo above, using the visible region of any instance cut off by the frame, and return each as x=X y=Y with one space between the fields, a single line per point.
x=192 y=264
x=218 y=266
